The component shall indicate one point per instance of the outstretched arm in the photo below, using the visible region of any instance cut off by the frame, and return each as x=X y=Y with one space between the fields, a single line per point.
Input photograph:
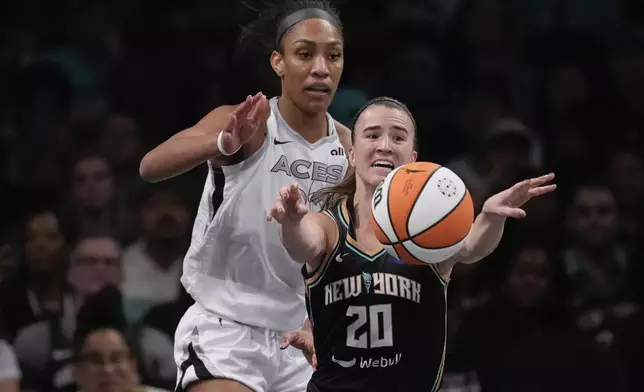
x=487 y=229
x=235 y=125
x=304 y=234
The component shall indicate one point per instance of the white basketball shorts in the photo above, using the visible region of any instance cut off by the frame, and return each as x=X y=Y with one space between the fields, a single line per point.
x=209 y=347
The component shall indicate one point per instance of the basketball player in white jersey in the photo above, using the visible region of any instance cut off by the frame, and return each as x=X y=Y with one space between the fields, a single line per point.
x=248 y=291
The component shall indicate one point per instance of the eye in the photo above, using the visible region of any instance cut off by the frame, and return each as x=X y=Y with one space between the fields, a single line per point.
x=303 y=54
x=335 y=56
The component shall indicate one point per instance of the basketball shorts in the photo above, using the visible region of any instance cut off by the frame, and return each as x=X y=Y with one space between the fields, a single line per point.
x=210 y=347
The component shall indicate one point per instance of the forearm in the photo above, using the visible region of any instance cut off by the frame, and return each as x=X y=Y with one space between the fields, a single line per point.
x=304 y=240
x=483 y=238
x=178 y=155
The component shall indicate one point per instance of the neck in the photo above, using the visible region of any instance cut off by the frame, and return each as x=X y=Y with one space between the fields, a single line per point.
x=164 y=252
x=312 y=126
x=362 y=201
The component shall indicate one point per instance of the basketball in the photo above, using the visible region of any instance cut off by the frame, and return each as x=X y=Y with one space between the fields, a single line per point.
x=421 y=213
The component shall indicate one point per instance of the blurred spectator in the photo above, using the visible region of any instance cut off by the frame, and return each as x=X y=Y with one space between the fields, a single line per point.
x=94 y=203
x=152 y=264
x=94 y=45
x=507 y=148
x=625 y=173
x=120 y=142
x=527 y=304
x=38 y=293
x=44 y=349
x=39 y=104
x=9 y=370
x=503 y=90
x=594 y=260
x=103 y=358
x=156 y=345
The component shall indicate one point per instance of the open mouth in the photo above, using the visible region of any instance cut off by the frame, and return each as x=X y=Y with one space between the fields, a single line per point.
x=318 y=88
x=383 y=164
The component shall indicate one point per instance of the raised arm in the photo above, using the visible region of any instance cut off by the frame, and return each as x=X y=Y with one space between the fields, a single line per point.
x=488 y=226
x=216 y=137
x=305 y=235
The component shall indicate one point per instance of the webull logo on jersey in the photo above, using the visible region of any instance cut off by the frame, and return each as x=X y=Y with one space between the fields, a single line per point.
x=381 y=283
x=367 y=363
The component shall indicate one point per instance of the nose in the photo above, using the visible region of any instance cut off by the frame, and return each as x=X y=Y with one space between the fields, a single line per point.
x=384 y=146
x=320 y=68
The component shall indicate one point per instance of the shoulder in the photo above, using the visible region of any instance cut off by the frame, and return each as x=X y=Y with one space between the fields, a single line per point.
x=31 y=344
x=37 y=332
x=344 y=134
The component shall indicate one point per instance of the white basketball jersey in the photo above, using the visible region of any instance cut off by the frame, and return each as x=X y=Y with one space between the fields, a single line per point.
x=236 y=266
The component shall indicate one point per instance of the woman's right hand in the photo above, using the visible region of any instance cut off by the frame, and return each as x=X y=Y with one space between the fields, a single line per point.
x=244 y=121
x=288 y=206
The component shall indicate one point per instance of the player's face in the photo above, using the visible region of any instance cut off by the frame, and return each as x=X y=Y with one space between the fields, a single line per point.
x=311 y=64
x=384 y=140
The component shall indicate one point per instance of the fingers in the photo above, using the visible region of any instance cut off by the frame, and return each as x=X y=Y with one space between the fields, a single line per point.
x=232 y=123
x=510 y=212
x=242 y=110
x=254 y=112
x=276 y=212
x=286 y=340
x=535 y=182
x=289 y=202
x=294 y=191
x=314 y=361
x=542 y=190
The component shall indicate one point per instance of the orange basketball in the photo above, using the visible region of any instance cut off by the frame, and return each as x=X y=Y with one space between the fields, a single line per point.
x=422 y=212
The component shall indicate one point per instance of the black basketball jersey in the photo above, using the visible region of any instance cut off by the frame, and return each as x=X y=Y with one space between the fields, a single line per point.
x=378 y=324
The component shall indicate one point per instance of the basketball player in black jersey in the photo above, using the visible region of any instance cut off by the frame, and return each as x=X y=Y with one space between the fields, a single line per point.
x=379 y=325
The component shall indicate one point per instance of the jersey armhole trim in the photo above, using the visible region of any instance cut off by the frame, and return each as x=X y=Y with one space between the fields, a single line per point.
x=318 y=274
x=439 y=275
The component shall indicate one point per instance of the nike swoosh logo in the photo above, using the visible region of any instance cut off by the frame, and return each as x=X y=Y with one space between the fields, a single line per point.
x=277 y=142
x=340 y=258
x=344 y=364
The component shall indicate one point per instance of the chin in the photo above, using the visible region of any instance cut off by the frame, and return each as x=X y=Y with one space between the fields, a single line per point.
x=321 y=106
x=375 y=180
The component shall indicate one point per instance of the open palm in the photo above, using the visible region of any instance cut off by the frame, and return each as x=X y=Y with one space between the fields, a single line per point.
x=508 y=203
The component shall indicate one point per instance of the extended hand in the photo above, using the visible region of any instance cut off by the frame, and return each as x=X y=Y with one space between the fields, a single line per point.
x=508 y=202
x=244 y=121
x=288 y=206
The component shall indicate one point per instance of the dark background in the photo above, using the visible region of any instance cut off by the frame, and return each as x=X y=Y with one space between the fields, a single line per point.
x=501 y=90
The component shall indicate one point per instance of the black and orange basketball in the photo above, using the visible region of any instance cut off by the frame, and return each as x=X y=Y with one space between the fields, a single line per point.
x=422 y=212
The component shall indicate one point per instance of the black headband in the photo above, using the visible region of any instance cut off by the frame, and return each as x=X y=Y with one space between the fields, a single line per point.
x=303 y=14
x=381 y=100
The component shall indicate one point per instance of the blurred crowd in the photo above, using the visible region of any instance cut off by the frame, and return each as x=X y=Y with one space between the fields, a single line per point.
x=90 y=257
